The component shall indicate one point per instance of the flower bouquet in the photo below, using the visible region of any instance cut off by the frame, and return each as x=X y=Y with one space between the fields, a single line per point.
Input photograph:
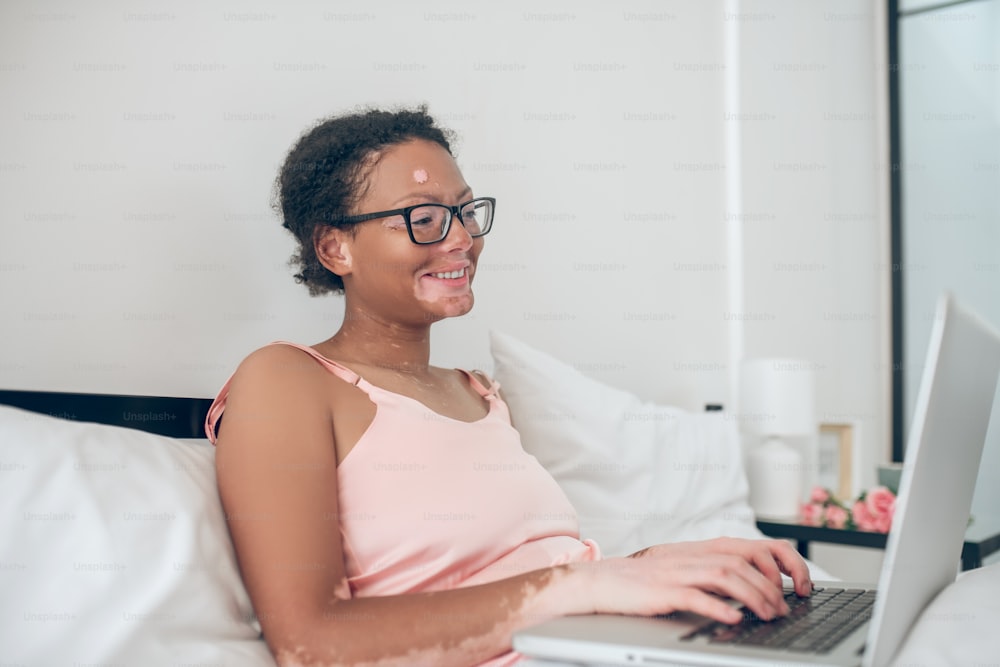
x=871 y=511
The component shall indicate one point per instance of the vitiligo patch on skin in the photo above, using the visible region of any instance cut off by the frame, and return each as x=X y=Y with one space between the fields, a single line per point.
x=420 y=175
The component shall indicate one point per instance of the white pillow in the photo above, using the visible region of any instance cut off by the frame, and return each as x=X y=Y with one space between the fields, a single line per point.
x=638 y=473
x=115 y=550
x=959 y=625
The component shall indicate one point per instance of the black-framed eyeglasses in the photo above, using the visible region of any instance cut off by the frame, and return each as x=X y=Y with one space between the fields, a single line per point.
x=430 y=223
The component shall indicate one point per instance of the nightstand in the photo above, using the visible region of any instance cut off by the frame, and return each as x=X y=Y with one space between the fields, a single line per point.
x=981 y=539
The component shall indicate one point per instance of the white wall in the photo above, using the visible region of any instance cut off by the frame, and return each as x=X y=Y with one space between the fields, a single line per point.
x=141 y=254
x=138 y=252
x=815 y=177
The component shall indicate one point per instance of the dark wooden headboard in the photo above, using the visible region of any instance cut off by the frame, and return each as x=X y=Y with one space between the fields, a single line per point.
x=164 y=415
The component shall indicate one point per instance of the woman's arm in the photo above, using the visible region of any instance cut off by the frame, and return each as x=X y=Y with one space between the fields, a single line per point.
x=276 y=466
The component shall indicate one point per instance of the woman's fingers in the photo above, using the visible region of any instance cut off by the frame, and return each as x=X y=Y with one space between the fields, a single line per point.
x=711 y=606
x=758 y=592
x=731 y=576
x=792 y=564
x=766 y=561
x=772 y=558
x=692 y=576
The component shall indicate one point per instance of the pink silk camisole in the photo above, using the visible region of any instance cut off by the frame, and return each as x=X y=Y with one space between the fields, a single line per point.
x=431 y=503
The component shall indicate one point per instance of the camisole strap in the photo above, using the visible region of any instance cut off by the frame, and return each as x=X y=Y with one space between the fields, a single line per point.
x=491 y=392
x=341 y=371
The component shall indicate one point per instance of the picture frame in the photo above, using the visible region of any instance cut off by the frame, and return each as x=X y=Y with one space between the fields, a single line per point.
x=835 y=460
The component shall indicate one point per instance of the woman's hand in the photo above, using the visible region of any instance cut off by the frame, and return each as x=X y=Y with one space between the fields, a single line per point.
x=695 y=576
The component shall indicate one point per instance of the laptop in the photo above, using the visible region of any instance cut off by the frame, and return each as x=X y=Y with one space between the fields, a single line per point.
x=922 y=552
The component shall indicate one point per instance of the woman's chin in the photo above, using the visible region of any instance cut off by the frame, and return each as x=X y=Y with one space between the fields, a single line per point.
x=442 y=309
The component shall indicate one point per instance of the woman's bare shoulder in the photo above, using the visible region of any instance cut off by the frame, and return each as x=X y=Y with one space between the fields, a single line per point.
x=278 y=358
x=277 y=380
x=274 y=366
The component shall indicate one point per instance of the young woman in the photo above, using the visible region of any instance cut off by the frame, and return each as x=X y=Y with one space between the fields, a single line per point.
x=352 y=471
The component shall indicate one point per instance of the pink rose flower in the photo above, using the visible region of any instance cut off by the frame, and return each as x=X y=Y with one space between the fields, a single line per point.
x=819 y=495
x=863 y=518
x=812 y=515
x=872 y=511
x=883 y=523
x=881 y=501
x=836 y=516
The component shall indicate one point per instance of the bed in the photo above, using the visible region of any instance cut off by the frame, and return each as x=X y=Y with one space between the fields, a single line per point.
x=116 y=550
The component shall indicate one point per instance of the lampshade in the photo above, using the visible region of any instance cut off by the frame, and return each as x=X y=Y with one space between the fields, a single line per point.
x=777 y=397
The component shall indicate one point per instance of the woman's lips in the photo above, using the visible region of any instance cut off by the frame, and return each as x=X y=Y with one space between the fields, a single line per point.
x=454 y=273
x=449 y=275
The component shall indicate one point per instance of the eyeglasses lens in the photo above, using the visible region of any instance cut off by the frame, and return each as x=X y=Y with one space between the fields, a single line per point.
x=428 y=223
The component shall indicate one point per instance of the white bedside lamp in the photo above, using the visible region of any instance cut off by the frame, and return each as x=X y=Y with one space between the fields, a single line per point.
x=776 y=401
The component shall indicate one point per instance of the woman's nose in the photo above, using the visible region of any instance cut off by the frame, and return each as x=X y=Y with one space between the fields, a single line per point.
x=457 y=236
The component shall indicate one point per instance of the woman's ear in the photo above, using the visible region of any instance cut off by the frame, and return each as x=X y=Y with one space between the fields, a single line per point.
x=333 y=249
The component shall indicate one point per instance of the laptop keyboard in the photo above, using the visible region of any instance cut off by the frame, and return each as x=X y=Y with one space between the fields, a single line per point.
x=814 y=624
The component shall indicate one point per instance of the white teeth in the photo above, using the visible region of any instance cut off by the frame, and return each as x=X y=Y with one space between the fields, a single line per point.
x=450 y=274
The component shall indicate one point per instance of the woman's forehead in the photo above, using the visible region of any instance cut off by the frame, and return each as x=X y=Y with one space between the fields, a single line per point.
x=402 y=160
x=415 y=164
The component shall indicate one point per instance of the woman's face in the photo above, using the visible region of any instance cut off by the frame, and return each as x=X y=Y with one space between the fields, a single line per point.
x=391 y=276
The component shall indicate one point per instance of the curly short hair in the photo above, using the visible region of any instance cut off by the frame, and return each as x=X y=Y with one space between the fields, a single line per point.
x=323 y=177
